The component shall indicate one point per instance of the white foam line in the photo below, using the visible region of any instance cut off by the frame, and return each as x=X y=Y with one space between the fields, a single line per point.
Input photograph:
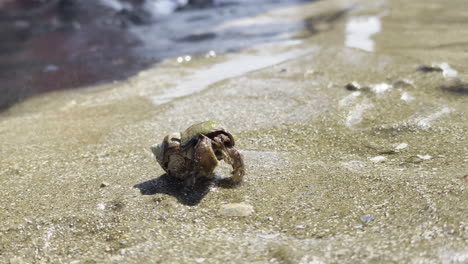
x=221 y=71
x=425 y=123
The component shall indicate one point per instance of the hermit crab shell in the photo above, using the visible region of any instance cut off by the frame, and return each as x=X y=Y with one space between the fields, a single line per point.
x=170 y=142
x=209 y=129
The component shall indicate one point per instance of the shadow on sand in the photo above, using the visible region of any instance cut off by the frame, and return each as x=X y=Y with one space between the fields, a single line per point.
x=186 y=195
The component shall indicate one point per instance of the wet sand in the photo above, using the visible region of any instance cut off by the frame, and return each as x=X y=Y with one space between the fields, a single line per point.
x=375 y=173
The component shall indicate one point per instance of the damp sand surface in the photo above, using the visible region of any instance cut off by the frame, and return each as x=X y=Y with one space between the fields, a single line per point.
x=375 y=173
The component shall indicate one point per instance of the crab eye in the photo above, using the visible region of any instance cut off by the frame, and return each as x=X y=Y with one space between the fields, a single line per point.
x=219 y=155
x=226 y=140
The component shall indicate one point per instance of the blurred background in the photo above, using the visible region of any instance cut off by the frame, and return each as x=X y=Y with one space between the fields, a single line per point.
x=48 y=45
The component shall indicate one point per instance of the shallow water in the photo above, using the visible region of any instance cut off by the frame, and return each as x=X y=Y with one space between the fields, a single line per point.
x=233 y=67
x=97 y=43
x=334 y=176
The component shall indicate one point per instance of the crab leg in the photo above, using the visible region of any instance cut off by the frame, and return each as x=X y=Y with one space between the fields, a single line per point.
x=204 y=158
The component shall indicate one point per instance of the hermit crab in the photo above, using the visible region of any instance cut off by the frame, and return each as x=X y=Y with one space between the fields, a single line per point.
x=195 y=152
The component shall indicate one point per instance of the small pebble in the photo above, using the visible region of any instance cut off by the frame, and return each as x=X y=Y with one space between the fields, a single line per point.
x=236 y=209
x=445 y=68
x=403 y=83
x=353 y=86
x=104 y=184
x=429 y=68
x=401 y=146
x=424 y=157
x=378 y=159
x=367 y=218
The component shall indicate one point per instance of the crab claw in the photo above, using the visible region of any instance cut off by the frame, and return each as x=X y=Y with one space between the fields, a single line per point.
x=225 y=150
x=233 y=157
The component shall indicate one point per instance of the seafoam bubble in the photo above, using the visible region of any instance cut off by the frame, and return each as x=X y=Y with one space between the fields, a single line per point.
x=115 y=4
x=355 y=116
x=380 y=88
x=163 y=7
x=210 y=54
